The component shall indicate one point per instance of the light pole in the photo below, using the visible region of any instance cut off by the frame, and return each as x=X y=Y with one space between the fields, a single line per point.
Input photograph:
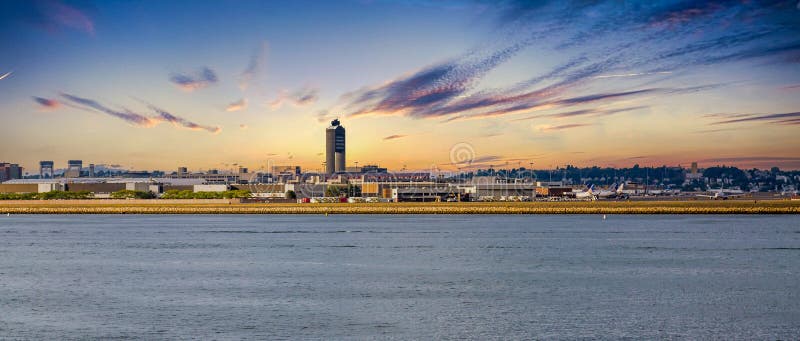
x=324 y=176
x=530 y=170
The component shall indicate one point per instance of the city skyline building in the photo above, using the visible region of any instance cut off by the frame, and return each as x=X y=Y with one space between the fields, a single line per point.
x=74 y=168
x=335 y=148
x=46 y=169
x=10 y=171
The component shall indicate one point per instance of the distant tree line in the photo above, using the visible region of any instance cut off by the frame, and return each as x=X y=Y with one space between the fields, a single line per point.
x=52 y=195
x=126 y=194
x=662 y=176
x=188 y=194
x=129 y=194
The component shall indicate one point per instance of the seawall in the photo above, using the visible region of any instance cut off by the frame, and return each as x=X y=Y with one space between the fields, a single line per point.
x=225 y=206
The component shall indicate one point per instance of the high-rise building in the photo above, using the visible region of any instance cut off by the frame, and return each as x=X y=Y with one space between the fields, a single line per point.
x=74 y=168
x=334 y=148
x=5 y=171
x=694 y=173
x=91 y=170
x=10 y=171
x=46 y=169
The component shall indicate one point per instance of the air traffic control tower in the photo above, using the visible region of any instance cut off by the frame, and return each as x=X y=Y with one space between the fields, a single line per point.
x=334 y=148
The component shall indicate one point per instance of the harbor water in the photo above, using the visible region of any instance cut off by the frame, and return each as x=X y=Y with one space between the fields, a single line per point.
x=399 y=276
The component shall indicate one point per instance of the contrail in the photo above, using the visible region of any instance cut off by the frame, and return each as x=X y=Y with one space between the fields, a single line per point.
x=6 y=75
x=635 y=74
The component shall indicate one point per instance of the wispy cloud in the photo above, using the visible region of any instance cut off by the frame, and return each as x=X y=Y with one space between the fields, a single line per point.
x=254 y=67
x=193 y=81
x=243 y=127
x=486 y=161
x=124 y=114
x=488 y=135
x=237 y=106
x=547 y=128
x=726 y=115
x=68 y=16
x=681 y=13
x=420 y=93
x=394 y=137
x=710 y=131
x=323 y=116
x=3 y=76
x=584 y=112
x=786 y=50
x=136 y=118
x=661 y=39
x=488 y=158
x=50 y=15
x=635 y=74
x=604 y=96
x=48 y=104
x=760 y=161
x=182 y=122
x=301 y=97
x=791 y=118
x=446 y=99
x=751 y=158
x=507 y=106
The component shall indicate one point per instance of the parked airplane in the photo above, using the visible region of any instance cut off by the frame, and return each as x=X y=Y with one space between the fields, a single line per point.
x=611 y=193
x=727 y=191
x=722 y=194
x=664 y=192
x=590 y=194
x=587 y=194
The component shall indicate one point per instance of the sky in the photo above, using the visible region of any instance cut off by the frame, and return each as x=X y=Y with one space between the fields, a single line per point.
x=418 y=84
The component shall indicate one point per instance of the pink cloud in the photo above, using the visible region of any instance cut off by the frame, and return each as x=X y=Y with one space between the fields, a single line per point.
x=47 y=104
x=394 y=137
x=54 y=15
x=237 y=106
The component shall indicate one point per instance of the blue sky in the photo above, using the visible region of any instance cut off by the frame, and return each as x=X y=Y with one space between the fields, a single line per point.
x=210 y=84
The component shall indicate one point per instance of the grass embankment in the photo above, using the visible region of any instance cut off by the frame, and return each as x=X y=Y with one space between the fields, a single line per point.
x=600 y=207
